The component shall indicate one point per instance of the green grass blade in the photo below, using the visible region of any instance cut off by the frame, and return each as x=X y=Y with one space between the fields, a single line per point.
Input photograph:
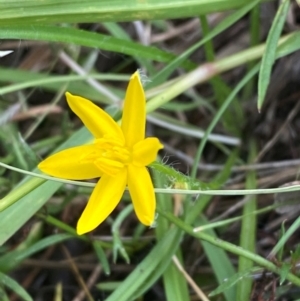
x=294 y=227
x=118 y=32
x=217 y=117
x=269 y=55
x=254 y=40
x=163 y=74
x=85 y=38
x=156 y=263
x=248 y=232
x=236 y=278
x=24 y=79
x=12 y=259
x=77 y=11
x=289 y=44
x=228 y=246
x=12 y=218
x=118 y=247
x=221 y=90
x=219 y=261
x=15 y=287
x=102 y=257
x=157 y=273
x=159 y=255
x=18 y=193
x=174 y=283
x=217 y=257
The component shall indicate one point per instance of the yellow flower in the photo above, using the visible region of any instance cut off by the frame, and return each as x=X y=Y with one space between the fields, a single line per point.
x=118 y=154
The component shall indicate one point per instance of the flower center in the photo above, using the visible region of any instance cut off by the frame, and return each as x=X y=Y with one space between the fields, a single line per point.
x=109 y=156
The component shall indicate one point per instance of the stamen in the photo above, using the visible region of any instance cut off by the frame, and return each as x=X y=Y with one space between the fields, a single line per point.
x=109 y=156
x=109 y=167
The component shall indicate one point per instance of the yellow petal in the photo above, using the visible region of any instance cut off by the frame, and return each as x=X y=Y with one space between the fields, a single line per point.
x=68 y=164
x=145 y=151
x=98 y=122
x=142 y=194
x=102 y=202
x=134 y=111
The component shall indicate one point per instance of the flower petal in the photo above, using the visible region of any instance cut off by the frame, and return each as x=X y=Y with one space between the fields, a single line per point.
x=134 y=111
x=98 y=122
x=67 y=164
x=142 y=194
x=145 y=151
x=102 y=202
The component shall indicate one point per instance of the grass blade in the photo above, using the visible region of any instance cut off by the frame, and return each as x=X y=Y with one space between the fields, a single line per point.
x=85 y=38
x=12 y=218
x=248 y=233
x=163 y=74
x=174 y=283
x=219 y=261
x=15 y=287
x=269 y=55
x=12 y=259
x=58 y=11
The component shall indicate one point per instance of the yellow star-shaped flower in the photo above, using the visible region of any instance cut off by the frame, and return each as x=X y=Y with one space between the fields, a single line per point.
x=118 y=154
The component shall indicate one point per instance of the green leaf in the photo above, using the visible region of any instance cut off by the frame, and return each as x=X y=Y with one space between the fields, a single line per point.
x=289 y=44
x=25 y=79
x=101 y=256
x=175 y=285
x=282 y=233
x=219 y=114
x=118 y=247
x=295 y=255
x=118 y=32
x=282 y=241
x=227 y=246
x=12 y=218
x=219 y=261
x=163 y=74
x=151 y=267
x=108 y=286
x=85 y=38
x=77 y=11
x=229 y=282
x=17 y=194
x=284 y=271
x=15 y=287
x=248 y=230
x=27 y=153
x=269 y=55
x=12 y=259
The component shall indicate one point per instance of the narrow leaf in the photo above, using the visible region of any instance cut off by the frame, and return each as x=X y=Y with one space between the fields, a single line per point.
x=270 y=52
x=248 y=230
x=12 y=259
x=162 y=75
x=229 y=282
x=15 y=287
x=26 y=201
x=85 y=38
x=75 y=11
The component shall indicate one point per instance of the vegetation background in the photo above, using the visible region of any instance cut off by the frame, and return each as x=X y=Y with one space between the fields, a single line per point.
x=223 y=97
